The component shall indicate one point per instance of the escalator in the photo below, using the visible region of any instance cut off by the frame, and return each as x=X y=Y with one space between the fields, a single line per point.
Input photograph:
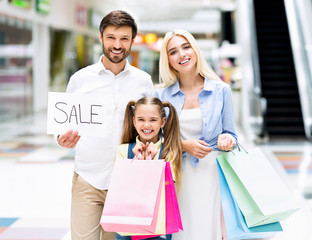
x=283 y=116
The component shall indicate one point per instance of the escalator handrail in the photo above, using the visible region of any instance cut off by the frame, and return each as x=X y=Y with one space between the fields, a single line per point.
x=301 y=60
x=254 y=50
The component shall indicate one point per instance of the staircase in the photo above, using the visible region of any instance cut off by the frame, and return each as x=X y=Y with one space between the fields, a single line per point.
x=277 y=72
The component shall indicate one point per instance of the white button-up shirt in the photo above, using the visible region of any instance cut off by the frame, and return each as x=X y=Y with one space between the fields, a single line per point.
x=95 y=156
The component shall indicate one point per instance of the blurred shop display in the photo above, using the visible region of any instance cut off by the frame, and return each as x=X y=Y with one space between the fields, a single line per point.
x=70 y=52
x=21 y=3
x=226 y=62
x=145 y=54
x=226 y=66
x=226 y=59
x=43 y=6
x=16 y=64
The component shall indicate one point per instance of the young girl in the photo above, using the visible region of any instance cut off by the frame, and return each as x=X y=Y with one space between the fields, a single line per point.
x=141 y=135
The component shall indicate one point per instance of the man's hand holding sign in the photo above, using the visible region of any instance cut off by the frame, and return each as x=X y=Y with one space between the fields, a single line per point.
x=70 y=114
x=69 y=139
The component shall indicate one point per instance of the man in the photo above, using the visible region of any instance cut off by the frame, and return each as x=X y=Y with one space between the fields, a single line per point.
x=119 y=82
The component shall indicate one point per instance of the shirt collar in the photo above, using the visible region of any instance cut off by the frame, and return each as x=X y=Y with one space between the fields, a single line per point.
x=175 y=88
x=207 y=86
x=158 y=144
x=127 y=66
x=100 y=67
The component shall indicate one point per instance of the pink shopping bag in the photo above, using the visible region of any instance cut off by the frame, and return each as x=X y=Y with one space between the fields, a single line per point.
x=133 y=197
x=173 y=217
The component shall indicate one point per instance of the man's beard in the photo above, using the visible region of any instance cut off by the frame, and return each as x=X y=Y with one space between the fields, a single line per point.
x=115 y=59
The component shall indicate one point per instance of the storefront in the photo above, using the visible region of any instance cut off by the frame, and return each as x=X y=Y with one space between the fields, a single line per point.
x=16 y=64
x=41 y=46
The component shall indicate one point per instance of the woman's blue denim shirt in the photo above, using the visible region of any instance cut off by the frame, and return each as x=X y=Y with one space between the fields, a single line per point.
x=216 y=108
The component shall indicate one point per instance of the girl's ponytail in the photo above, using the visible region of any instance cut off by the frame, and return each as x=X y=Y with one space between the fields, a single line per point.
x=129 y=132
x=172 y=149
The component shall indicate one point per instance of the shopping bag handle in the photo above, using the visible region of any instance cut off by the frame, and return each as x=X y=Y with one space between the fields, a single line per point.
x=239 y=146
x=138 y=156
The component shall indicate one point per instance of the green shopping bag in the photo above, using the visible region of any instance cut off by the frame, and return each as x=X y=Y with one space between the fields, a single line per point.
x=260 y=193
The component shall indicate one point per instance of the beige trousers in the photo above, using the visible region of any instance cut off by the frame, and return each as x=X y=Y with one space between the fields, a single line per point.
x=86 y=210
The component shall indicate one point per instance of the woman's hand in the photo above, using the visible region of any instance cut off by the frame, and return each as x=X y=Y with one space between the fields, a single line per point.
x=69 y=139
x=196 y=148
x=151 y=149
x=226 y=142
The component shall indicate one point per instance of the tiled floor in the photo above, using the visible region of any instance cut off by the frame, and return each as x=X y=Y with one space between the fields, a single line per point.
x=296 y=159
x=35 y=183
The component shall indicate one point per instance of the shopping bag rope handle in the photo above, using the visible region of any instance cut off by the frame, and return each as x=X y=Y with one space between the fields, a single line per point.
x=139 y=155
x=239 y=146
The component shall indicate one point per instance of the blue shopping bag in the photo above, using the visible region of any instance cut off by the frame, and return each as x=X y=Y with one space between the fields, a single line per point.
x=236 y=227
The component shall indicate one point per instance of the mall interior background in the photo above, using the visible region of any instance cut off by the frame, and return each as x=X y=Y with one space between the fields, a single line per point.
x=262 y=49
x=43 y=42
x=42 y=47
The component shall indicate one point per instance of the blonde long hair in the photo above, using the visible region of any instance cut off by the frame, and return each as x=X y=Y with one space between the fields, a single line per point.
x=172 y=148
x=170 y=76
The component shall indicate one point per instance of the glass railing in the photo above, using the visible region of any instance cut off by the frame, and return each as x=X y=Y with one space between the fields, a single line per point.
x=299 y=17
x=255 y=105
x=259 y=104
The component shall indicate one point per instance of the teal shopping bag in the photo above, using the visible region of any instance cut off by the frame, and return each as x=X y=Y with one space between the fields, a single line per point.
x=260 y=193
x=235 y=225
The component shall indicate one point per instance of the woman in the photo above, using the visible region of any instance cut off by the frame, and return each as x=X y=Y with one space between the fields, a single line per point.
x=204 y=105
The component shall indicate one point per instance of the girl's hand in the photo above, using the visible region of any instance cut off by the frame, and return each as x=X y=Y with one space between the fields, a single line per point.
x=196 y=148
x=139 y=147
x=226 y=142
x=151 y=149
x=69 y=139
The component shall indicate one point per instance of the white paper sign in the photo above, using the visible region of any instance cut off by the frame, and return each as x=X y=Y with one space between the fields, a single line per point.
x=85 y=113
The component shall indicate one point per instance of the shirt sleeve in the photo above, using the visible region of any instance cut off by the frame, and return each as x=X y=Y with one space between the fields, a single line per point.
x=72 y=85
x=55 y=136
x=157 y=92
x=122 y=151
x=228 y=113
x=149 y=87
